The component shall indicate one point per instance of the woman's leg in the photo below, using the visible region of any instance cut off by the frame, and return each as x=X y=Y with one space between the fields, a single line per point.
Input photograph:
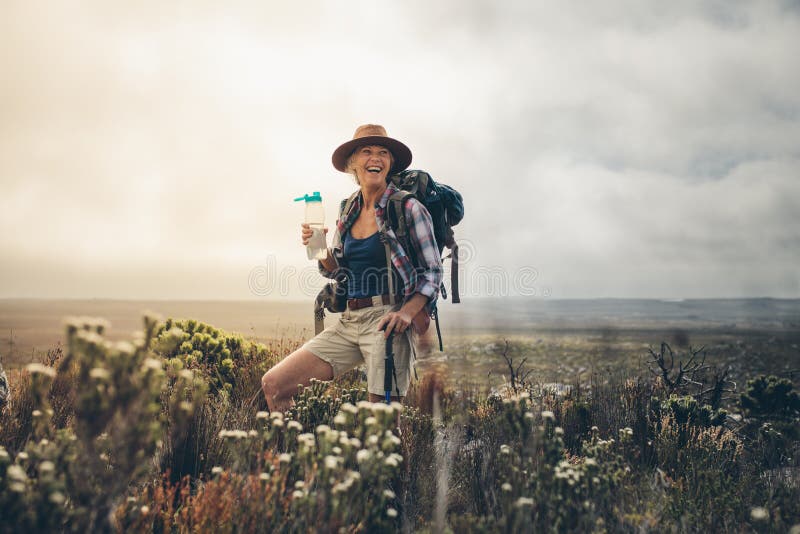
x=280 y=382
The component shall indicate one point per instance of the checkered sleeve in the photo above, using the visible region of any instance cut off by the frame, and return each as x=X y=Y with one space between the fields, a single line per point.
x=429 y=263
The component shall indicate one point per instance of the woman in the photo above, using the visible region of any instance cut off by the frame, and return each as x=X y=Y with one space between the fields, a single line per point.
x=373 y=312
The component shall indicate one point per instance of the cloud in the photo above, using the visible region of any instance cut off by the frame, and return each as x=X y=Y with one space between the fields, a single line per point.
x=623 y=149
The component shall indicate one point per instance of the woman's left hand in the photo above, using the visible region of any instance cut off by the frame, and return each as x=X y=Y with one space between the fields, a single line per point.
x=398 y=321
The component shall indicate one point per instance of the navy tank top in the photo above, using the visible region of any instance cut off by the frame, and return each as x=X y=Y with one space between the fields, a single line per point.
x=366 y=264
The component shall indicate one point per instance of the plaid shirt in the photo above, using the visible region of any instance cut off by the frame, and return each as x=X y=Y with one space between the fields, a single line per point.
x=426 y=278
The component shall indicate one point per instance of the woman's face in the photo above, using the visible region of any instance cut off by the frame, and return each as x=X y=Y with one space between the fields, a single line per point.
x=372 y=165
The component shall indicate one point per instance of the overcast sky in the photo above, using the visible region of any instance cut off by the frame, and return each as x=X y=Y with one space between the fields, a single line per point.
x=152 y=149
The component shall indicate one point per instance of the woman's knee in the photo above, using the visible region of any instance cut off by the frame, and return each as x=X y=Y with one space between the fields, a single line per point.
x=270 y=383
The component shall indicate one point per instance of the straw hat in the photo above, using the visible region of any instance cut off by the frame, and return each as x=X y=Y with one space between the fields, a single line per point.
x=372 y=134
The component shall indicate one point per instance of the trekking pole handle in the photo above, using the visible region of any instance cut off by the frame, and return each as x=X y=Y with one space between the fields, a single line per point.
x=388 y=365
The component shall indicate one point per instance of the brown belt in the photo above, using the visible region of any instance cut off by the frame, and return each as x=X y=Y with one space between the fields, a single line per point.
x=366 y=302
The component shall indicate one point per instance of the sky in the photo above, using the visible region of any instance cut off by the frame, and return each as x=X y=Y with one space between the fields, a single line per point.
x=622 y=149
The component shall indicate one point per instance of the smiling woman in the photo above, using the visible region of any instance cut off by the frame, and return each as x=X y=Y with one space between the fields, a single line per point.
x=369 y=154
x=365 y=246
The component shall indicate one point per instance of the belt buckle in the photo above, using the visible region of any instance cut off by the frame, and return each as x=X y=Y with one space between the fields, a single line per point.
x=377 y=300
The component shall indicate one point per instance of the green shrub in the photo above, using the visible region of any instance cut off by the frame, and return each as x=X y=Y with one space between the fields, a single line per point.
x=771 y=398
x=227 y=362
x=122 y=400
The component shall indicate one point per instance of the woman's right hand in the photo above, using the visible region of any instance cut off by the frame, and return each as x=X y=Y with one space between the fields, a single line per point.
x=306 y=232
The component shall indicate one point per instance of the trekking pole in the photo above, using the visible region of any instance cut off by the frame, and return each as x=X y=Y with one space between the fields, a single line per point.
x=388 y=367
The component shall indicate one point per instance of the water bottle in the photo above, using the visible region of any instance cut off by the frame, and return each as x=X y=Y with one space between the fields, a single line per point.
x=317 y=247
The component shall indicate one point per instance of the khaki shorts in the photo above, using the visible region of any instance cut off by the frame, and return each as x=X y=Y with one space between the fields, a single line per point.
x=355 y=340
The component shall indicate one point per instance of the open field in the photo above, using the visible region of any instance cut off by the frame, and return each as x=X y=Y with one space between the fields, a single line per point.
x=562 y=340
x=30 y=327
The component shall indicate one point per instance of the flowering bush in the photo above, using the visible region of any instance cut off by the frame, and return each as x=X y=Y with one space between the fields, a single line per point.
x=338 y=475
x=73 y=477
x=164 y=433
x=226 y=361
x=531 y=482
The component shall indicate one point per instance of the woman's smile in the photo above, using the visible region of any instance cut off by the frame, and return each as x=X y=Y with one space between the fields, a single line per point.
x=373 y=163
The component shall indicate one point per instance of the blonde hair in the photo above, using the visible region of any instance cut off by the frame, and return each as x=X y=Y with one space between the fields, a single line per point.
x=348 y=165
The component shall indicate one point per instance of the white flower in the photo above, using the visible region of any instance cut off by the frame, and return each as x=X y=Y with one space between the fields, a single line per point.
x=152 y=364
x=285 y=458
x=46 y=466
x=23 y=455
x=590 y=461
x=547 y=414
x=355 y=443
x=235 y=434
x=262 y=415
x=759 y=513
x=321 y=429
x=372 y=440
x=349 y=408
x=216 y=470
x=363 y=455
x=125 y=347
x=397 y=406
x=263 y=476
x=505 y=449
x=558 y=431
x=394 y=440
x=389 y=494
x=294 y=425
x=331 y=462
x=297 y=494
x=145 y=509
x=370 y=421
x=299 y=484
x=277 y=423
x=391 y=512
x=276 y=415
x=34 y=368
x=57 y=497
x=391 y=462
x=99 y=373
x=340 y=419
x=36 y=413
x=337 y=451
x=506 y=487
x=15 y=472
x=523 y=501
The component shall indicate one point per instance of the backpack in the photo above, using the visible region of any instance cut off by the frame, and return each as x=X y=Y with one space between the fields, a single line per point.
x=446 y=207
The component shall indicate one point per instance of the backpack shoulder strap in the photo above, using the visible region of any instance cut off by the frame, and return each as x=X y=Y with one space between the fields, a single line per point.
x=346 y=204
x=396 y=219
x=396 y=214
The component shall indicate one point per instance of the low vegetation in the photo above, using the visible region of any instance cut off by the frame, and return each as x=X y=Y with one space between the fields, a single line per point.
x=168 y=433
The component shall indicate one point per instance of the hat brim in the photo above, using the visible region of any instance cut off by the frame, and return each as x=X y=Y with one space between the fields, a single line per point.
x=400 y=152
